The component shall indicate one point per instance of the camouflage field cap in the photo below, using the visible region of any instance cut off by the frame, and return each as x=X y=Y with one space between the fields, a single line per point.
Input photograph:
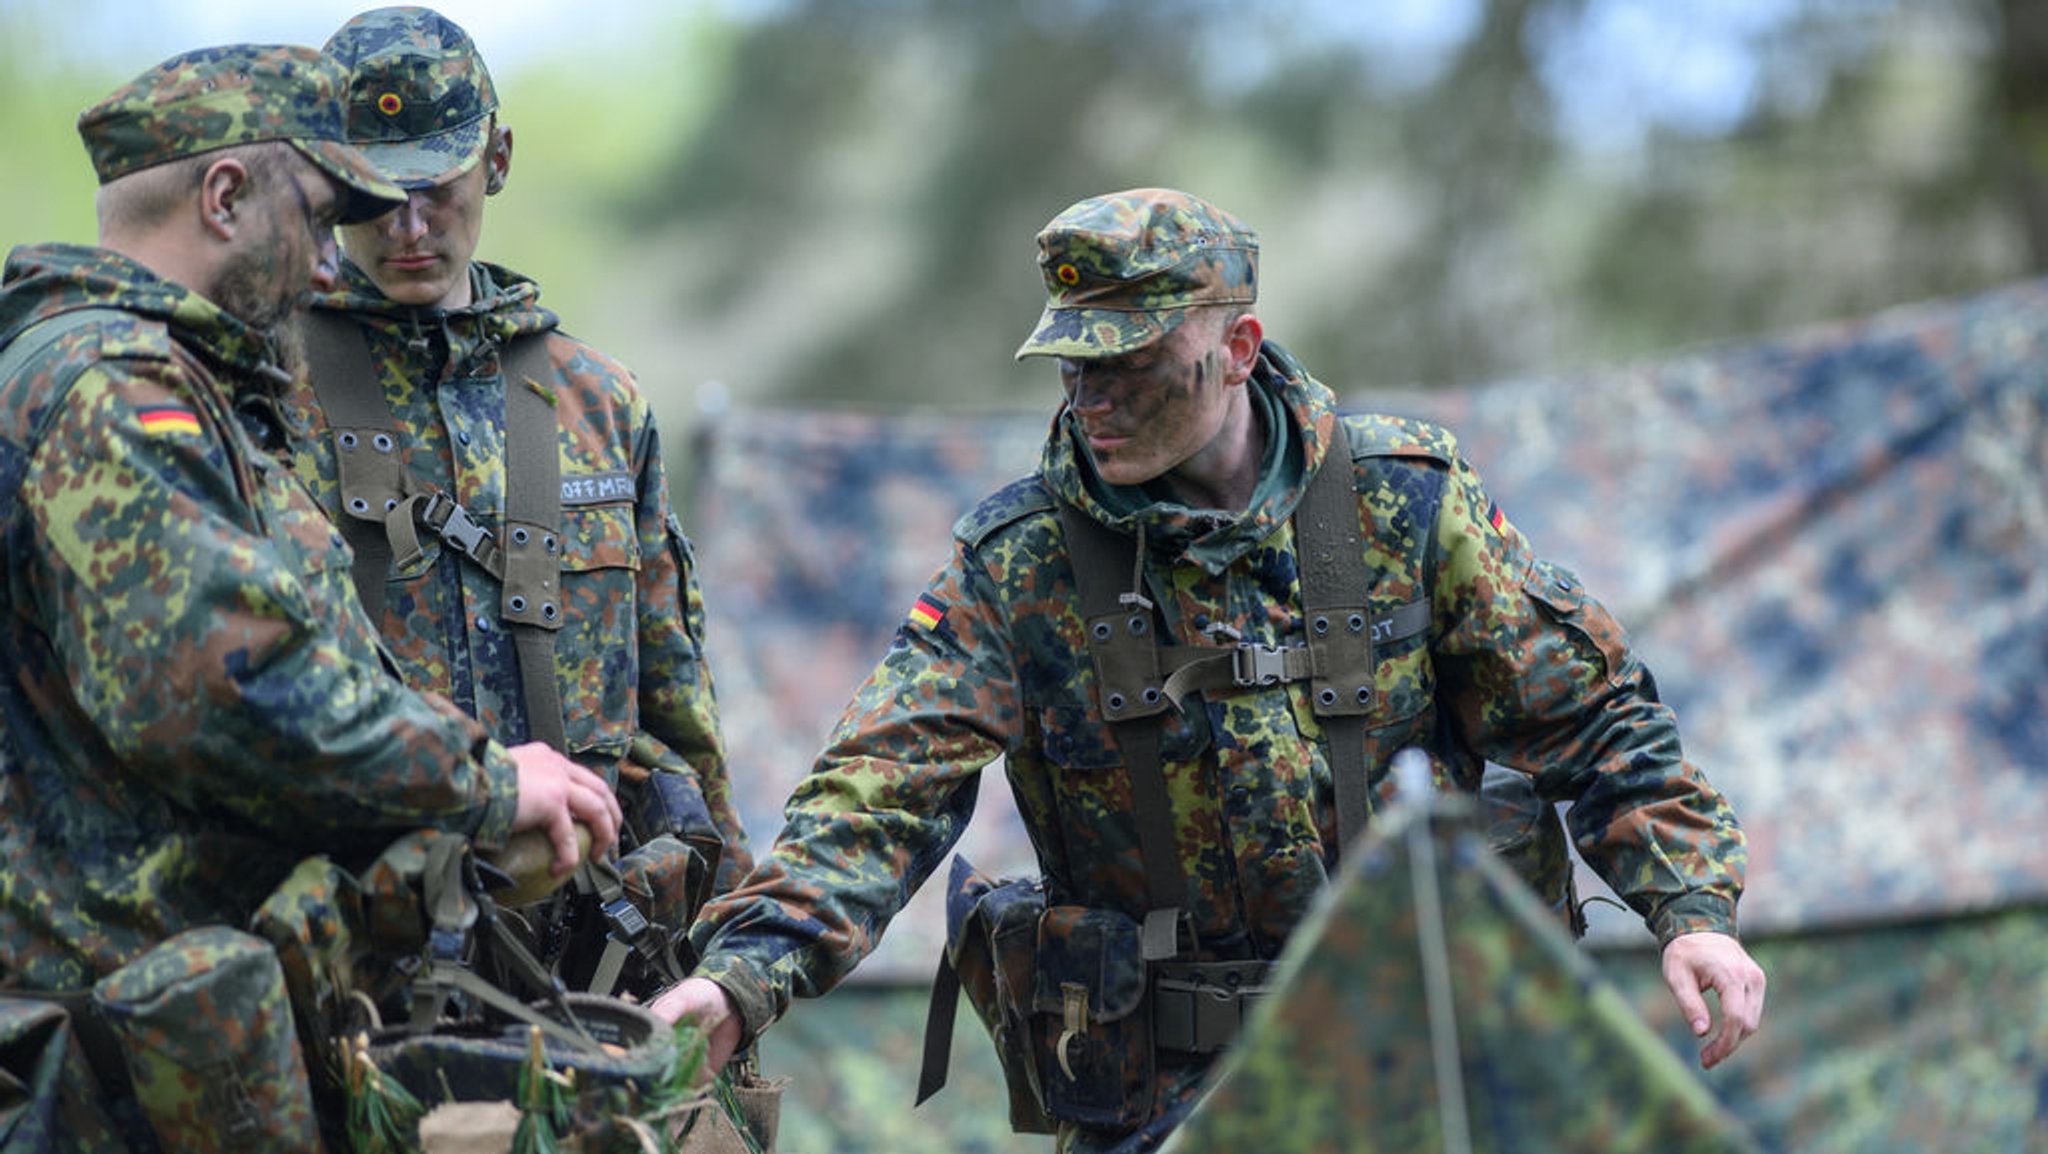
x=1122 y=270
x=234 y=94
x=419 y=97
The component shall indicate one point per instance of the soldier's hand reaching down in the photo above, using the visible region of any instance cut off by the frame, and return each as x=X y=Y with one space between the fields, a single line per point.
x=706 y=1004
x=1696 y=963
x=555 y=795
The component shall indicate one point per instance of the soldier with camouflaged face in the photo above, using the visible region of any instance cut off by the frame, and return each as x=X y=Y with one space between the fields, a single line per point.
x=193 y=700
x=420 y=346
x=1198 y=448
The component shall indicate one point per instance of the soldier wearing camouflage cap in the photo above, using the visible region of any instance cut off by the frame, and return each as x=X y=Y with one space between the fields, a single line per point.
x=510 y=430
x=194 y=700
x=1196 y=683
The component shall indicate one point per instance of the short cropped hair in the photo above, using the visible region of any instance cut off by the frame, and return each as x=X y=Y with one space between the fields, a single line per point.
x=147 y=198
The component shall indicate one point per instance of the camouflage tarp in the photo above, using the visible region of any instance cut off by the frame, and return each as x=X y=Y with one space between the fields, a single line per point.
x=1432 y=1003
x=1828 y=547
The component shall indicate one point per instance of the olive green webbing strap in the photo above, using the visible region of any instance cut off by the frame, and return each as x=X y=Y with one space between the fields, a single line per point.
x=1127 y=666
x=380 y=497
x=24 y=347
x=938 y=1027
x=1338 y=658
x=532 y=544
x=532 y=607
x=1330 y=557
x=345 y=383
x=453 y=912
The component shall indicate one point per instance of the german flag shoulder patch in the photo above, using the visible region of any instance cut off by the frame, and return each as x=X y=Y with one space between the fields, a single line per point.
x=1497 y=520
x=167 y=420
x=928 y=612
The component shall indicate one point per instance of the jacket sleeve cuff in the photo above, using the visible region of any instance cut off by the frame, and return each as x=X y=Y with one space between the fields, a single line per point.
x=1693 y=913
x=500 y=780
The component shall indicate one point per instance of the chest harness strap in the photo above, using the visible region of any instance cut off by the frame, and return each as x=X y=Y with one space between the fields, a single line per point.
x=1141 y=680
x=1199 y=1007
x=383 y=504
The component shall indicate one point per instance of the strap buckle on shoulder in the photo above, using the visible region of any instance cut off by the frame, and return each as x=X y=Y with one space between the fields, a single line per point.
x=1256 y=663
x=446 y=516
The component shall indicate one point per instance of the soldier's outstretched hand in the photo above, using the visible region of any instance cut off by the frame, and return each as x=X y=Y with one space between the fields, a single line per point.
x=555 y=794
x=705 y=1003
x=1696 y=963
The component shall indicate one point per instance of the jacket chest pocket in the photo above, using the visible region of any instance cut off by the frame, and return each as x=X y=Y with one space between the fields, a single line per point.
x=1090 y=780
x=597 y=648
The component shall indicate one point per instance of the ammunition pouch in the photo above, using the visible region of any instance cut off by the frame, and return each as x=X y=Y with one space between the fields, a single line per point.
x=622 y=921
x=991 y=939
x=206 y=1030
x=1091 y=1021
x=59 y=1091
x=670 y=802
x=1201 y=1007
x=622 y=926
x=1079 y=1019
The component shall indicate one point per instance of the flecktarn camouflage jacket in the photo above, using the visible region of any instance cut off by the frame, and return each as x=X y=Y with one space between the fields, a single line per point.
x=1518 y=665
x=192 y=700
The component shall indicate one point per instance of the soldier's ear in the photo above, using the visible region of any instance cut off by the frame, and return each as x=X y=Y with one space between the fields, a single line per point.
x=223 y=188
x=1241 y=340
x=497 y=160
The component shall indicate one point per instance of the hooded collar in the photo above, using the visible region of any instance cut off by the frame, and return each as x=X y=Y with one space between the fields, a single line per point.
x=1300 y=418
x=503 y=305
x=499 y=297
x=42 y=281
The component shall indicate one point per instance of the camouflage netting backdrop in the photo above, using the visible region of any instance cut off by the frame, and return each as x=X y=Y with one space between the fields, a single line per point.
x=1827 y=545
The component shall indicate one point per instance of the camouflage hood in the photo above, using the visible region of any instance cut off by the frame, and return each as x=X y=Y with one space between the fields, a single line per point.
x=42 y=281
x=1299 y=415
x=503 y=304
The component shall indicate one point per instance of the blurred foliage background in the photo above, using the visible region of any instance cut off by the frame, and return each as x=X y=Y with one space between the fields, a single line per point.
x=832 y=202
